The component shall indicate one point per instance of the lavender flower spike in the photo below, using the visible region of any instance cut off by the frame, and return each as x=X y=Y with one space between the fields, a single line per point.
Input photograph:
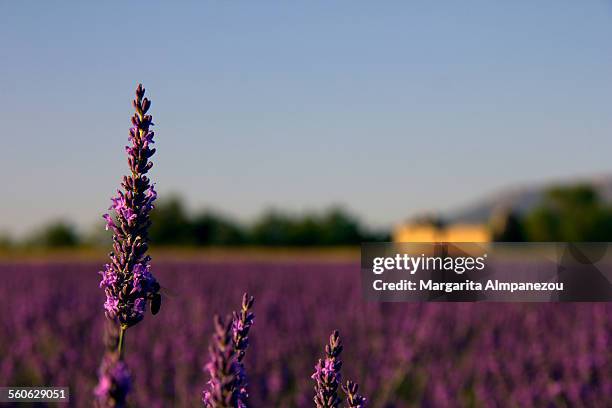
x=222 y=368
x=327 y=374
x=353 y=399
x=127 y=279
x=241 y=324
x=228 y=382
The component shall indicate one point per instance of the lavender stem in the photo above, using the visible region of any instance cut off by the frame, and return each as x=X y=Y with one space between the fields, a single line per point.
x=120 y=345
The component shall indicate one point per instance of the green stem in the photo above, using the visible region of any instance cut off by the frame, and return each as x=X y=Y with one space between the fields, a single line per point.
x=120 y=346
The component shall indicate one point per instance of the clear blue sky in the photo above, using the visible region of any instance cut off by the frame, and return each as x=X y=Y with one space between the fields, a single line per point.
x=391 y=108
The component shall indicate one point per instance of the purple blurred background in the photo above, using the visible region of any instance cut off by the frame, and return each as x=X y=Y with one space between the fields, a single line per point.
x=403 y=354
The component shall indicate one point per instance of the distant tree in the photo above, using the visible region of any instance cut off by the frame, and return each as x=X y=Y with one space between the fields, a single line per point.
x=213 y=229
x=58 y=234
x=570 y=214
x=340 y=228
x=334 y=227
x=173 y=225
x=305 y=231
x=507 y=226
x=5 y=240
x=170 y=223
x=543 y=225
x=273 y=228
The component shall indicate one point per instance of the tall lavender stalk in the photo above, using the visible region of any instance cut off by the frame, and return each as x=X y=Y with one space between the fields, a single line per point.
x=127 y=280
x=241 y=324
x=227 y=386
x=327 y=374
x=222 y=368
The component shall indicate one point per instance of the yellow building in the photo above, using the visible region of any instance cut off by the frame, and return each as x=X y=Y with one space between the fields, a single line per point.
x=430 y=232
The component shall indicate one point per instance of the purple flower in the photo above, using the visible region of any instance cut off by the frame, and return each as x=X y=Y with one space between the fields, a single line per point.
x=110 y=224
x=142 y=280
x=241 y=324
x=139 y=305
x=222 y=369
x=114 y=383
x=353 y=399
x=327 y=374
x=109 y=278
x=127 y=280
x=111 y=305
x=120 y=206
x=227 y=386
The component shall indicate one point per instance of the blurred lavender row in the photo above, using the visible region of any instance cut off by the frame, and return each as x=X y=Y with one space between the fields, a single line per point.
x=401 y=354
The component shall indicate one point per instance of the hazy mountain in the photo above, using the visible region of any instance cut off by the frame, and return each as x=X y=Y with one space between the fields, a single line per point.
x=523 y=199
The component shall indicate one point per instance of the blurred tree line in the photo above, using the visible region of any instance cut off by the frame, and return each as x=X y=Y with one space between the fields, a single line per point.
x=566 y=214
x=173 y=225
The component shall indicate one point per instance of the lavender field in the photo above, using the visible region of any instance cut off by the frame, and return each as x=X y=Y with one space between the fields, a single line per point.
x=401 y=354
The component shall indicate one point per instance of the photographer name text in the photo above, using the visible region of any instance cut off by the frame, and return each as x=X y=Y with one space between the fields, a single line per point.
x=459 y=265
